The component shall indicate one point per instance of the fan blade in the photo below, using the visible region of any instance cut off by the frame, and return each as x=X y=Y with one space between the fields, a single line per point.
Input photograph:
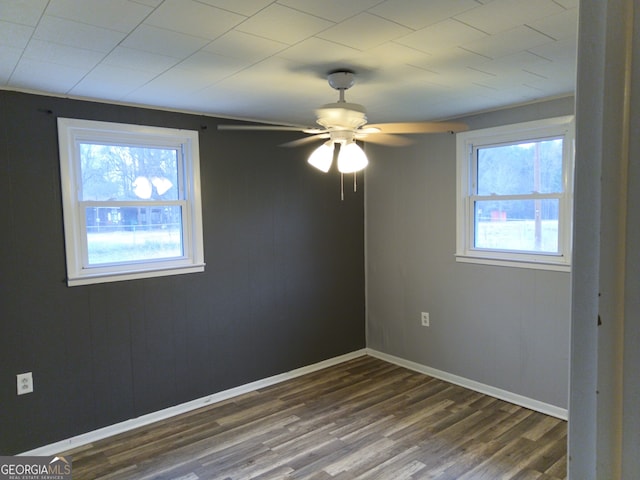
x=282 y=128
x=385 y=139
x=420 y=127
x=305 y=140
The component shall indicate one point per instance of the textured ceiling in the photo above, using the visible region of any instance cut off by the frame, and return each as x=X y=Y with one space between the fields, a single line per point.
x=267 y=60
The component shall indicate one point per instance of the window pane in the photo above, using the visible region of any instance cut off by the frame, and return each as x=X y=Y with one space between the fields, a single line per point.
x=520 y=225
x=126 y=234
x=114 y=172
x=520 y=168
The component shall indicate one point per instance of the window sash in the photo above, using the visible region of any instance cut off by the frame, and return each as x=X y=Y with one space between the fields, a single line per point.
x=84 y=230
x=133 y=143
x=531 y=196
x=517 y=227
x=477 y=147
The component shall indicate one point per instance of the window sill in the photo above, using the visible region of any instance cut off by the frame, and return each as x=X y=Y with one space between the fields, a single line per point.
x=89 y=279
x=513 y=263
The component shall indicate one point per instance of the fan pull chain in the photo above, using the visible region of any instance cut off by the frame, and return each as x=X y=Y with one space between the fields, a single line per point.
x=355 y=182
x=341 y=186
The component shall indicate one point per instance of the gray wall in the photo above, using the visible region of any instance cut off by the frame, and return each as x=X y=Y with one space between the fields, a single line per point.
x=505 y=327
x=283 y=286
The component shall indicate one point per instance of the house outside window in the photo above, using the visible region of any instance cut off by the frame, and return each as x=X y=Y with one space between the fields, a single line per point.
x=131 y=201
x=514 y=195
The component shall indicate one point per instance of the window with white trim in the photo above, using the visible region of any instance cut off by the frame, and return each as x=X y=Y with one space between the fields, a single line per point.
x=514 y=195
x=131 y=201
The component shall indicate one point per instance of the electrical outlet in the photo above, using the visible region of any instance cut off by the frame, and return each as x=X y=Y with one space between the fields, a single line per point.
x=25 y=383
x=425 y=319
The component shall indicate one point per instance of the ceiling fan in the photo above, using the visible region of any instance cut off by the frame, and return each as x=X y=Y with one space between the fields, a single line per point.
x=342 y=123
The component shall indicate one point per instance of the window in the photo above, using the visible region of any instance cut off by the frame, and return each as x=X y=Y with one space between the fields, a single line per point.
x=131 y=201
x=515 y=195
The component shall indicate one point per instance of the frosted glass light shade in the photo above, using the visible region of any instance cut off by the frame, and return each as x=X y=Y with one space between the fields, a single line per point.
x=322 y=157
x=351 y=158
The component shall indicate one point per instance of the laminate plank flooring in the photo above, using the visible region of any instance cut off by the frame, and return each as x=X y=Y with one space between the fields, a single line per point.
x=364 y=419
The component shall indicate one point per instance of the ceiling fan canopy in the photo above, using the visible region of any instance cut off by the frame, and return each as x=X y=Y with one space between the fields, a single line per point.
x=343 y=123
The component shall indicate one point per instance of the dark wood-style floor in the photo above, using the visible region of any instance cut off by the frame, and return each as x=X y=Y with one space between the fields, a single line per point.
x=362 y=419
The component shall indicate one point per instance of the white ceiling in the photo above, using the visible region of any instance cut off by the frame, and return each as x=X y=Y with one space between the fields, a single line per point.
x=267 y=60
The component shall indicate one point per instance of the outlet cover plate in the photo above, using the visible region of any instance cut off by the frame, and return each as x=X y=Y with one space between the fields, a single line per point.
x=25 y=383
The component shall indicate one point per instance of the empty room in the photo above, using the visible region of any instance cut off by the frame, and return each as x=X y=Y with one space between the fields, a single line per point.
x=271 y=239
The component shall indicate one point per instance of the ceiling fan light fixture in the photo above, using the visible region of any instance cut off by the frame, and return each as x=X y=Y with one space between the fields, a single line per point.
x=343 y=123
x=322 y=157
x=351 y=158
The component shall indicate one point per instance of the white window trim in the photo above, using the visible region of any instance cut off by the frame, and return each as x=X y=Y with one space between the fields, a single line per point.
x=465 y=143
x=73 y=131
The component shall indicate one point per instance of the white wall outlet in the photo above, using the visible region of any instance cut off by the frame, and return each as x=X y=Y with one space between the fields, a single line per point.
x=25 y=383
x=424 y=318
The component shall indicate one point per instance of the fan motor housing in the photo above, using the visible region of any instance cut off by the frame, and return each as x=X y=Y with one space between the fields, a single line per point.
x=343 y=115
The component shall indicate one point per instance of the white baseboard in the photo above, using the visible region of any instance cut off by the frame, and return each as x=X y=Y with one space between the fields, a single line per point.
x=90 y=437
x=530 y=403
